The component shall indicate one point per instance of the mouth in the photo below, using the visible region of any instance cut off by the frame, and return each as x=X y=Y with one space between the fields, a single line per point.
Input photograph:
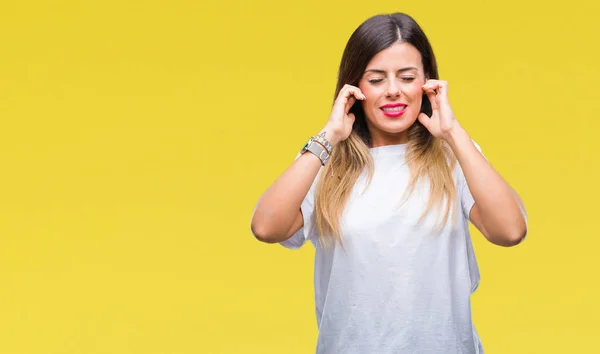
x=393 y=110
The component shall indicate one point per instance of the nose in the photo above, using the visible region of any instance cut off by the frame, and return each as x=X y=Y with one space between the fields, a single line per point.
x=393 y=90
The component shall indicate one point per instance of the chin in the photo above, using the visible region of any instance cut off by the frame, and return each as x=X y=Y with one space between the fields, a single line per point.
x=391 y=125
x=395 y=125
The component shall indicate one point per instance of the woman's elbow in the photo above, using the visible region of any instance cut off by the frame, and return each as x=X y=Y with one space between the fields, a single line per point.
x=512 y=237
x=263 y=233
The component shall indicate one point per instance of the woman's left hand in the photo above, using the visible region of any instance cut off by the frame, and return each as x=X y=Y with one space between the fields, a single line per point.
x=442 y=122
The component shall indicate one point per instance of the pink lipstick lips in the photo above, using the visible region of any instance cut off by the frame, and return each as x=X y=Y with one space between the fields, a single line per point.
x=393 y=110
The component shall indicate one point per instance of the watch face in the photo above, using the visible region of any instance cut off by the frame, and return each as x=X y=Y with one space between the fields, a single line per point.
x=307 y=144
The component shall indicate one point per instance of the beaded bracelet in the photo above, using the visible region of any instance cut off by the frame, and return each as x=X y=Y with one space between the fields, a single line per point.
x=321 y=140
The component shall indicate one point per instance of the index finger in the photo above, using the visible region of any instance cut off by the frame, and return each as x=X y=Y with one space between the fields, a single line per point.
x=353 y=90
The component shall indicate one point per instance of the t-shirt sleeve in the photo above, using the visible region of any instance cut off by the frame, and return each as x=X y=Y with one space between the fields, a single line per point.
x=308 y=230
x=467 y=200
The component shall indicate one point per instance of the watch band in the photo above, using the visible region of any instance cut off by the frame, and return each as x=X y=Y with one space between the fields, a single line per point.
x=321 y=139
x=318 y=150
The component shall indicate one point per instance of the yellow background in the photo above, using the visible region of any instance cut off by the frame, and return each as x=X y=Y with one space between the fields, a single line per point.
x=136 y=137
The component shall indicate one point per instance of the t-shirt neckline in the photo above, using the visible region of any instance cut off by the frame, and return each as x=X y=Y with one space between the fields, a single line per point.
x=387 y=150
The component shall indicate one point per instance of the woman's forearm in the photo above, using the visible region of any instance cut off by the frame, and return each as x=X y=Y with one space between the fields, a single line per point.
x=500 y=208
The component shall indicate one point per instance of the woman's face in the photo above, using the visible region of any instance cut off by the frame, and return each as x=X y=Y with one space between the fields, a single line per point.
x=392 y=83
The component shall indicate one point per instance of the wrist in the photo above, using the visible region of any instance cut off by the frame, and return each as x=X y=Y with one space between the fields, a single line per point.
x=330 y=136
x=456 y=136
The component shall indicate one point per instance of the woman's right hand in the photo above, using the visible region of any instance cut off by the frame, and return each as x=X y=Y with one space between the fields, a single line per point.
x=339 y=125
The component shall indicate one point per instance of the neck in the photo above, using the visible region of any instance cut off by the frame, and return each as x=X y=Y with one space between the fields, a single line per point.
x=383 y=139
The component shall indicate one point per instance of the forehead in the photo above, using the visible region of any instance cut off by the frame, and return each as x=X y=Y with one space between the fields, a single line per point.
x=398 y=55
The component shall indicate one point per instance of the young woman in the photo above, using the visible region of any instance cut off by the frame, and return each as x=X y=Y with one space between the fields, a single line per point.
x=385 y=192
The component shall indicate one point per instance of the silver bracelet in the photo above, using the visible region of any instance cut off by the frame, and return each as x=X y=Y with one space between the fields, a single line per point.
x=321 y=139
x=314 y=147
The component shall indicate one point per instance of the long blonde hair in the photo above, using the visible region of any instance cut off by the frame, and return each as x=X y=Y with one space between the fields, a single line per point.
x=427 y=157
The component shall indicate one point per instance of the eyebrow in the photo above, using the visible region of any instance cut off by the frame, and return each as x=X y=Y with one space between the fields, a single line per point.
x=378 y=71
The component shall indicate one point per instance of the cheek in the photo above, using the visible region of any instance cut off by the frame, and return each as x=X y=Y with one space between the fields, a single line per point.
x=366 y=90
x=373 y=94
x=415 y=92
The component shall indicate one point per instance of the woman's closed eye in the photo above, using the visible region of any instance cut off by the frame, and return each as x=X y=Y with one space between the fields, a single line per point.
x=404 y=79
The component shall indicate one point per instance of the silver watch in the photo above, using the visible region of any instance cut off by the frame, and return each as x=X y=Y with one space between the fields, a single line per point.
x=316 y=149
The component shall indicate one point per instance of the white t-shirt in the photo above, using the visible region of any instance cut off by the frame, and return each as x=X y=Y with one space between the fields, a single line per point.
x=397 y=286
